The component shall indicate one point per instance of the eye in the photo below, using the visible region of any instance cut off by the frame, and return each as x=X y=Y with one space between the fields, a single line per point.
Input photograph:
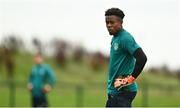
x=110 y=22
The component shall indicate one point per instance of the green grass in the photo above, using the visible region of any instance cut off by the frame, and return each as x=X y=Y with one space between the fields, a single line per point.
x=158 y=98
x=93 y=84
x=68 y=97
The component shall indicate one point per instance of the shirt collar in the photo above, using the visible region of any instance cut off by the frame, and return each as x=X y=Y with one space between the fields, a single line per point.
x=39 y=65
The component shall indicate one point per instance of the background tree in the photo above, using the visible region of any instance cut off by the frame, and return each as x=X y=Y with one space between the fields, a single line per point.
x=60 y=51
x=38 y=45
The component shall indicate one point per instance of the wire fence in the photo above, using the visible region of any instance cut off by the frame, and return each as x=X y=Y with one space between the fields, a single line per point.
x=91 y=94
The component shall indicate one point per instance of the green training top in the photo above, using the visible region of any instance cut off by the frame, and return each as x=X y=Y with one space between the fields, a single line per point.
x=122 y=61
x=40 y=75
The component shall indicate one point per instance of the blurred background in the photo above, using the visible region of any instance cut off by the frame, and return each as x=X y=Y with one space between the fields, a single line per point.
x=72 y=36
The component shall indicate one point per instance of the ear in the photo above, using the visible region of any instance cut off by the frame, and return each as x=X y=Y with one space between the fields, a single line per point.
x=120 y=24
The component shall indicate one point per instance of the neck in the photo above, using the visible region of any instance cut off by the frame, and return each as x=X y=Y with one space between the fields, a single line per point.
x=116 y=34
x=39 y=64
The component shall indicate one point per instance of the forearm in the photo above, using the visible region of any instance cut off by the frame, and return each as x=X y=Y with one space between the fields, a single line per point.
x=51 y=79
x=139 y=65
x=141 y=60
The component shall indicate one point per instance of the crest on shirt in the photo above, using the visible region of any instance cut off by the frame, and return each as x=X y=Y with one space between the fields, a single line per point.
x=116 y=46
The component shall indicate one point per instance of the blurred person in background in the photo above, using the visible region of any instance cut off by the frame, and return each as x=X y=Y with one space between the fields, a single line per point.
x=41 y=81
x=127 y=61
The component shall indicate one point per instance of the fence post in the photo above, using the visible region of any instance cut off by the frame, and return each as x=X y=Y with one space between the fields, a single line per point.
x=79 y=95
x=11 y=93
x=145 y=94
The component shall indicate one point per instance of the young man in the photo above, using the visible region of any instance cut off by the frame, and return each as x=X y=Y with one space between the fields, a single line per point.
x=127 y=60
x=41 y=81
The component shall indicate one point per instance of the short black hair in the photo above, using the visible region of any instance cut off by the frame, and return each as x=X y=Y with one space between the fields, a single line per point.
x=115 y=11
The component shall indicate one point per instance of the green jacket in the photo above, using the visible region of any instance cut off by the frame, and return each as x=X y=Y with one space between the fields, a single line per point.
x=40 y=75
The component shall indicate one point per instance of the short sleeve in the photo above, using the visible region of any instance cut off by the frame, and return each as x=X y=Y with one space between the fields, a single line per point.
x=130 y=44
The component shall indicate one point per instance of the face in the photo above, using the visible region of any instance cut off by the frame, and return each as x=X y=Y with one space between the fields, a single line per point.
x=38 y=59
x=113 y=24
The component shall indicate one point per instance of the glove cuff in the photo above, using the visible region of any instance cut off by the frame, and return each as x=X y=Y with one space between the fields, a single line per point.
x=131 y=79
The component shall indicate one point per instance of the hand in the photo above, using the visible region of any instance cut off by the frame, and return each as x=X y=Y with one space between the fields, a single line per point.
x=121 y=82
x=30 y=87
x=47 y=88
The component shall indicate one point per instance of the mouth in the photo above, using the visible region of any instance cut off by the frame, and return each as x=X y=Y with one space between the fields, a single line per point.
x=110 y=30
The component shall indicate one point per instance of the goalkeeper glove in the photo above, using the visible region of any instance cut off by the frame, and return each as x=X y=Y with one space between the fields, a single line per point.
x=122 y=82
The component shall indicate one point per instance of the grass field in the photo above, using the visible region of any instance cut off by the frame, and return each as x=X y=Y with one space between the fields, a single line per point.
x=92 y=91
x=70 y=97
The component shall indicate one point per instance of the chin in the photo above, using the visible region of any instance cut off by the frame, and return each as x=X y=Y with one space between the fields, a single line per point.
x=111 y=33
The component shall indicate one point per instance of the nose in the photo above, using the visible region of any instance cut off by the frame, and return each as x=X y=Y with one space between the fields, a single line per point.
x=108 y=25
